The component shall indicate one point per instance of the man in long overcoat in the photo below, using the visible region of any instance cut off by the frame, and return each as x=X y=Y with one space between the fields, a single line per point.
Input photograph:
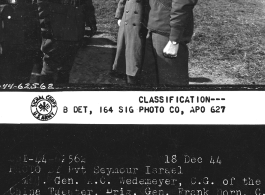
x=63 y=27
x=131 y=37
x=170 y=25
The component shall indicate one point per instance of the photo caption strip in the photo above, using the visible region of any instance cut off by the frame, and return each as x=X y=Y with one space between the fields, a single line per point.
x=178 y=107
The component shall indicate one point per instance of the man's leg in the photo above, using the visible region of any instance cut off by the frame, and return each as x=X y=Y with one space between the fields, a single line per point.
x=119 y=64
x=68 y=57
x=51 y=59
x=148 y=71
x=48 y=70
x=10 y=62
x=25 y=67
x=171 y=71
x=59 y=57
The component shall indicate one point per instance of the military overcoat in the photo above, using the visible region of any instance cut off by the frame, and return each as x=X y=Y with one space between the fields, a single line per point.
x=63 y=28
x=130 y=42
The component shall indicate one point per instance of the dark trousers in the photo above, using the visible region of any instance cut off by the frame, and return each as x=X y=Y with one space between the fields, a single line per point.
x=158 y=70
x=16 y=65
x=58 y=60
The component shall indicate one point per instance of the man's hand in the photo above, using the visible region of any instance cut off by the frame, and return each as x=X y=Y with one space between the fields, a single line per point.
x=119 y=22
x=171 y=50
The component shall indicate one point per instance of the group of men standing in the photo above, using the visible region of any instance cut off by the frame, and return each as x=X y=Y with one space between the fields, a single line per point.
x=58 y=28
x=153 y=37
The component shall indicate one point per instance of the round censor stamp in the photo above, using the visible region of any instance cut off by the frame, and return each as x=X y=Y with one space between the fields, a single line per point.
x=44 y=109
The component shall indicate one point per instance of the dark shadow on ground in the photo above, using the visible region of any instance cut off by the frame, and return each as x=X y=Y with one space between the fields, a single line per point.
x=88 y=32
x=99 y=41
x=93 y=63
x=199 y=80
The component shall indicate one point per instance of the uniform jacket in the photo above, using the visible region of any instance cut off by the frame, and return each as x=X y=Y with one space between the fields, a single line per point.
x=173 y=18
x=65 y=19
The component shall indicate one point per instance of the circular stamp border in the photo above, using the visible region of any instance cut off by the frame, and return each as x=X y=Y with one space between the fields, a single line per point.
x=44 y=117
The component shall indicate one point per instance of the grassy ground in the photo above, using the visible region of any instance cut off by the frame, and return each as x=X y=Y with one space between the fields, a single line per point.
x=105 y=12
x=228 y=46
x=229 y=42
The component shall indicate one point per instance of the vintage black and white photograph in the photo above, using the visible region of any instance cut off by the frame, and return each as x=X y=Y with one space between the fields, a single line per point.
x=132 y=97
x=125 y=43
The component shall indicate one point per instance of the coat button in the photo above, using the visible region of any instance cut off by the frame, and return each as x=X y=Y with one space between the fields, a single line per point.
x=135 y=12
x=126 y=23
x=134 y=24
x=127 y=11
